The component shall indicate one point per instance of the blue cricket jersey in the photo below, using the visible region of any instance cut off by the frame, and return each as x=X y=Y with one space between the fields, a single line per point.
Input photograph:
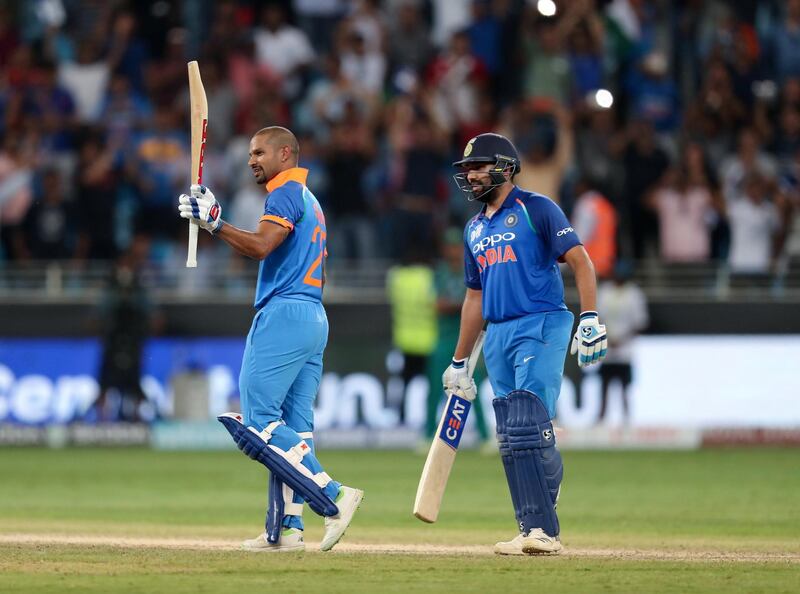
x=296 y=268
x=512 y=256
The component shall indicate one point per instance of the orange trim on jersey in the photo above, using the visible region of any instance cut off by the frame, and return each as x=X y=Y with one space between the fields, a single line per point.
x=298 y=174
x=279 y=220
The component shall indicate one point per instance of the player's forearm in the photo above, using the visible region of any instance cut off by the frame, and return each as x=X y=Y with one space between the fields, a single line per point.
x=247 y=243
x=586 y=282
x=471 y=324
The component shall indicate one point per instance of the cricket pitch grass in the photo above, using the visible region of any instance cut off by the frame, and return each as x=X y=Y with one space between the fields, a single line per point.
x=135 y=520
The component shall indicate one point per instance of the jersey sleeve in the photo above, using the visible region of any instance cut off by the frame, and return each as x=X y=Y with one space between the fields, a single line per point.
x=283 y=207
x=472 y=276
x=557 y=232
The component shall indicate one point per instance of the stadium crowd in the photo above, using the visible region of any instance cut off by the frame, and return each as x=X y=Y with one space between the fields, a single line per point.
x=668 y=130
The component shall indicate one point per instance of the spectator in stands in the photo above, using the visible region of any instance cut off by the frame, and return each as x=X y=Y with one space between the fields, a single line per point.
x=750 y=158
x=409 y=39
x=48 y=230
x=284 y=48
x=86 y=80
x=158 y=166
x=124 y=112
x=542 y=132
x=785 y=42
x=49 y=109
x=687 y=204
x=644 y=163
x=416 y=187
x=318 y=20
x=363 y=67
x=351 y=232
x=98 y=177
x=755 y=223
x=16 y=188
x=456 y=77
x=624 y=306
x=653 y=95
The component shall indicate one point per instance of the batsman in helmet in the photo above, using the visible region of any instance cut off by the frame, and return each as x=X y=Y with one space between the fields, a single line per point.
x=512 y=249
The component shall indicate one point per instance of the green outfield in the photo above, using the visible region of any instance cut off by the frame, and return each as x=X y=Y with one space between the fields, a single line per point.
x=132 y=520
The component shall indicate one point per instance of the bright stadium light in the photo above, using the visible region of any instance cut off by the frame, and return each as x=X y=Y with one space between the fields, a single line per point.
x=604 y=98
x=546 y=7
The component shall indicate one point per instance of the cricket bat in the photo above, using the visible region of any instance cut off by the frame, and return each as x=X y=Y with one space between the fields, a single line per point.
x=442 y=454
x=199 y=119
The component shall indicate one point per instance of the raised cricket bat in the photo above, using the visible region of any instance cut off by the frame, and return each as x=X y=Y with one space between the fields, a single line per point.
x=442 y=454
x=199 y=118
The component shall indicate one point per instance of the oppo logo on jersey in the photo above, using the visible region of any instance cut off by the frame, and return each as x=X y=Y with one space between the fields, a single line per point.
x=492 y=240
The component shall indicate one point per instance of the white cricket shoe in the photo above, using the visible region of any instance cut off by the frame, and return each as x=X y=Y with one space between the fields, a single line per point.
x=538 y=543
x=291 y=540
x=348 y=501
x=510 y=547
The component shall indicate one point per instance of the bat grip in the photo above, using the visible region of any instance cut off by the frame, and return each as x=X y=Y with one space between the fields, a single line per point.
x=191 y=258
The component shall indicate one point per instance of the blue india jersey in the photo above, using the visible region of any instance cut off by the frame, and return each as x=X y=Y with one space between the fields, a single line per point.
x=513 y=256
x=296 y=269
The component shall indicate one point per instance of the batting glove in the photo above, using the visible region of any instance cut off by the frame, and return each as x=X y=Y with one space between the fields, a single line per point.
x=590 y=341
x=456 y=380
x=201 y=207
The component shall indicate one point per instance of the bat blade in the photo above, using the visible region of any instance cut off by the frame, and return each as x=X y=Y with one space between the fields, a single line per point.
x=198 y=105
x=442 y=454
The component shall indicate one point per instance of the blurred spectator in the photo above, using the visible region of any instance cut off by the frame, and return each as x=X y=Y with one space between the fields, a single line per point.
x=98 y=176
x=409 y=40
x=127 y=321
x=595 y=221
x=747 y=160
x=16 y=188
x=284 y=48
x=755 y=223
x=49 y=109
x=653 y=95
x=456 y=77
x=687 y=205
x=318 y=19
x=542 y=132
x=624 y=305
x=86 y=80
x=363 y=67
x=124 y=112
x=547 y=68
x=484 y=33
x=158 y=167
x=450 y=292
x=165 y=79
x=449 y=16
x=644 y=163
x=351 y=233
x=785 y=40
x=48 y=230
x=417 y=148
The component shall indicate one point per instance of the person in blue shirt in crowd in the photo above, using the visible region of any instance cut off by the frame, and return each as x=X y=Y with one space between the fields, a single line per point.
x=512 y=248
x=282 y=361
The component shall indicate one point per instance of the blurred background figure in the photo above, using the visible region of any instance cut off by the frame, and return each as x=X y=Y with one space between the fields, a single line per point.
x=625 y=307
x=450 y=291
x=595 y=221
x=127 y=321
x=412 y=297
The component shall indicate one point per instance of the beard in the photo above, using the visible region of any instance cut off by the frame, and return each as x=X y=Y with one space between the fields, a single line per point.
x=485 y=196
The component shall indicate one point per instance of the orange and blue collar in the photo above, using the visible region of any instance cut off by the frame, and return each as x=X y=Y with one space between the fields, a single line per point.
x=298 y=174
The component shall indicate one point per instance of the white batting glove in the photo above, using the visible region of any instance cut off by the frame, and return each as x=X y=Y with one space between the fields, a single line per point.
x=590 y=341
x=201 y=207
x=456 y=380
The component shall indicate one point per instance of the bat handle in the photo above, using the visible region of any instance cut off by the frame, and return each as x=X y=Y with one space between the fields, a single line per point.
x=191 y=258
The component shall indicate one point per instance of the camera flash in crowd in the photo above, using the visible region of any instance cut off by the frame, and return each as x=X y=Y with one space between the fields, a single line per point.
x=546 y=7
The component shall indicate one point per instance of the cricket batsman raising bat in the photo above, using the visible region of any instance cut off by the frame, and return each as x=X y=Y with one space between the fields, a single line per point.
x=512 y=248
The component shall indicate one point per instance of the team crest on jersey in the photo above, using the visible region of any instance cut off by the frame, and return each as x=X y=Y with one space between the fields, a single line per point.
x=476 y=232
x=511 y=220
x=468 y=148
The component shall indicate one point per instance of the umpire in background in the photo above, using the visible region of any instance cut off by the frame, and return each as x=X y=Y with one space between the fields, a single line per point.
x=512 y=248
